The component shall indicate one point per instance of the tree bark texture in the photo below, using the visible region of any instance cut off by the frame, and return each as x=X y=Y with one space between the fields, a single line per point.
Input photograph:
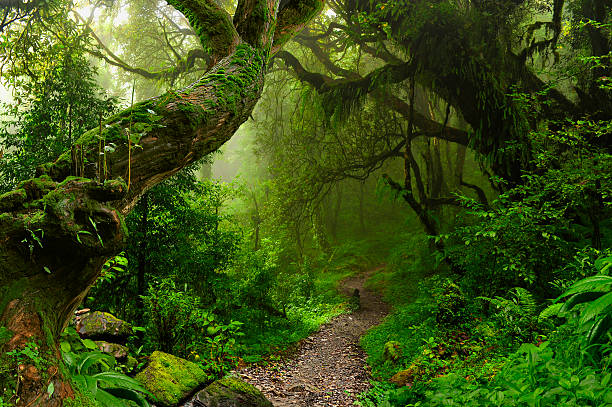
x=57 y=230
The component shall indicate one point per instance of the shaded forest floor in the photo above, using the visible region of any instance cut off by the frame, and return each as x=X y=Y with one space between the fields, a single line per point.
x=327 y=368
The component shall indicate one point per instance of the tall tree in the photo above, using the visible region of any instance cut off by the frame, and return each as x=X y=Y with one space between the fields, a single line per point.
x=57 y=230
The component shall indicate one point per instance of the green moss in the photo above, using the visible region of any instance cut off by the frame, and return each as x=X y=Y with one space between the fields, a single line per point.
x=235 y=83
x=239 y=386
x=60 y=168
x=141 y=118
x=102 y=324
x=10 y=290
x=41 y=184
x=171 y=379
x=81 y=400
x=12 y=199
x=232 y=391
x=211 y=23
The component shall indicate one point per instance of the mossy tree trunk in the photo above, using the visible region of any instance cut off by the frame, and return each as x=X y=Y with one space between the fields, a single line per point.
x=58 y=229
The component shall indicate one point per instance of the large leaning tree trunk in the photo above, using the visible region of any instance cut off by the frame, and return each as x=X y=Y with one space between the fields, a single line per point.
x=58 y=229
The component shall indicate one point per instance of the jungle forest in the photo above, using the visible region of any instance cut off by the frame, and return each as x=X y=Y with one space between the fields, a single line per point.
x=305 y=203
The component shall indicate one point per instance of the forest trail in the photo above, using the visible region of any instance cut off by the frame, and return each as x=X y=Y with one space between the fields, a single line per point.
x=328 y=368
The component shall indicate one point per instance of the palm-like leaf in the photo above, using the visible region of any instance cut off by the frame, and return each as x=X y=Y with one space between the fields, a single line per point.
x=127 y=394
x=599 y=283
x=595 y=294
x=109 y=388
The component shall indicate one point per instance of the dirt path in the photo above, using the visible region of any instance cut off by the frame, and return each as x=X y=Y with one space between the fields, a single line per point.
x=328 y=367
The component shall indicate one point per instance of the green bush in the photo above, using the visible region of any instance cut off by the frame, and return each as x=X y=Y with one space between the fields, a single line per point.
x=450 y=302
x=533 y=376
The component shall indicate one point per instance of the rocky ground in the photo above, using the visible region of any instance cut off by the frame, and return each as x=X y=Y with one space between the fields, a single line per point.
x=328 y=369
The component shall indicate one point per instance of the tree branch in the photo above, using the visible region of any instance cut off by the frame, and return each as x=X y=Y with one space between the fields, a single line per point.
x=429 y=127
x=182 y=65
x=292 y=18
x=212 y=24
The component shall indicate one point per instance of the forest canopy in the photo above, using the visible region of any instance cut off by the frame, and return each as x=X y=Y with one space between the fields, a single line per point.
x=234 y=162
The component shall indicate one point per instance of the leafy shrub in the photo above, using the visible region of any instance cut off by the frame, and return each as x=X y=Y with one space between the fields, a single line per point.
x=450 y=302
x=175 y=318
x=593 y=295
x=531 y=233
x=178 y=324
x=531 y=377
x=377 y=395
x=515 y=316
x=9 y=366
x=93 y=372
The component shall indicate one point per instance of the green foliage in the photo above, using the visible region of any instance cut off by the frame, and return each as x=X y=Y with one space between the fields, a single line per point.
x=450 y=302
x=94 y=374
x=10 y=362
x=593 y=296
x=180 y=325
x=282 y=306
x=491 y=244
x=376 y=396
x=51 y=109
x=533 y=376
x=30 y=353
x=175 y=317
x=516 y=315
x=181 y=232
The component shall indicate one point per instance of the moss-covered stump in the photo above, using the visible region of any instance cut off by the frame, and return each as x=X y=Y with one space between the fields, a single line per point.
x=103 y=326
x=171 y=379
x=231 y=392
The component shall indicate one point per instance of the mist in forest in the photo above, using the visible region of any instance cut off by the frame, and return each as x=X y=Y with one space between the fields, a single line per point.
x=305 y=203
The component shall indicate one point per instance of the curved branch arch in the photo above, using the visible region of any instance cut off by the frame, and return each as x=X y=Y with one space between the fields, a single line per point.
x=101 y=178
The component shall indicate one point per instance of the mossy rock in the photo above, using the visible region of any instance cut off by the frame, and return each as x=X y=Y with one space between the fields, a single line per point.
x=408 y=376
x=119 y=352
x=231 y=392
x=171 y=379
x=103 y=326
x=12 y=200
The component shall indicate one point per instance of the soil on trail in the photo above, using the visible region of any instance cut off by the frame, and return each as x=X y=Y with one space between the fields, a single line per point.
x=328 y=369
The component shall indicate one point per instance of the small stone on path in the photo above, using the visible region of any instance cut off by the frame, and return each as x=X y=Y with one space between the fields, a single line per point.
x=328 y=368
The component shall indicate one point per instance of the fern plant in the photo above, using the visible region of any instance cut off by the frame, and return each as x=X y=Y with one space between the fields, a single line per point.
x=593 y=295
x=515 y=314
x=92 y=372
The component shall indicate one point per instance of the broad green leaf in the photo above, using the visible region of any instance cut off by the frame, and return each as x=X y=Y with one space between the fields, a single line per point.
x=579 y=298
x=89 y=344
x=91 y=358
x=65 y=346
x=596 y=283
x=596 y=308
x=127 y=394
